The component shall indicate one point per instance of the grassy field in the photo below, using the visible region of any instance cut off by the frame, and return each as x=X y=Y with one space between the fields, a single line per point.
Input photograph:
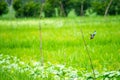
x=62 y=41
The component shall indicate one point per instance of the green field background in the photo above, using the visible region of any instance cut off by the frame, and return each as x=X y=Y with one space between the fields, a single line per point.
x=62 y=41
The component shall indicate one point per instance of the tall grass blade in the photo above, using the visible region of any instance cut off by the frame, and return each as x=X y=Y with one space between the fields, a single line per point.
x=88 y=54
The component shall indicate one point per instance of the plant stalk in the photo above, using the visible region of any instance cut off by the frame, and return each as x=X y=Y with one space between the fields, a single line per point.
x=40 y=31
x=88 y=54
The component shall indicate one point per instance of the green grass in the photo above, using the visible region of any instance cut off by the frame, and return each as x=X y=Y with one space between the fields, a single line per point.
x=62 y=41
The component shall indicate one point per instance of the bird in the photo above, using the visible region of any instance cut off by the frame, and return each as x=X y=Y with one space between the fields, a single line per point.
x=92 y=35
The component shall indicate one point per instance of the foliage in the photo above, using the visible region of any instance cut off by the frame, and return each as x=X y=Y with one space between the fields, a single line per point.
x=89 y=12
x=49 y=10
x=61 y=5
x=34 y=71
x=31 y=8
x=3 y=7
x=26 y=8
x=76 y=4
x=99 y=6
x=72 y=14
x=10 y=14
x=18 y=6
x=114 y=9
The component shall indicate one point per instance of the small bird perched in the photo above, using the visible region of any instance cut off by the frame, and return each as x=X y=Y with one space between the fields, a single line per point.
x=92 y=35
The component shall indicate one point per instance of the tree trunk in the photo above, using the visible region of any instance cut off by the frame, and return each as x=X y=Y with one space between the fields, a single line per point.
x=81 y=11
x=9 y=2
x=62 y=11
x=107 y=8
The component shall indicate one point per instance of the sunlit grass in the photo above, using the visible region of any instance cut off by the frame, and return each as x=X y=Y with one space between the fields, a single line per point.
x=62 y=41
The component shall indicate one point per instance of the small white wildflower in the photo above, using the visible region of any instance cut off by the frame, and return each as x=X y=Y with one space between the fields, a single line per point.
x=55 y=72
x=36 y=63
x=56 y=77
x=22 y=63
x=75 y=79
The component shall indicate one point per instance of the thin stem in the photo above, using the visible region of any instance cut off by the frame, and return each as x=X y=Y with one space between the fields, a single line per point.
x=40 y=30
x=88 y=54
x=41 y=53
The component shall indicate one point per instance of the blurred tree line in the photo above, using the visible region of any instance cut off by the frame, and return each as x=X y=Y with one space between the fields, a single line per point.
x=61 y=8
